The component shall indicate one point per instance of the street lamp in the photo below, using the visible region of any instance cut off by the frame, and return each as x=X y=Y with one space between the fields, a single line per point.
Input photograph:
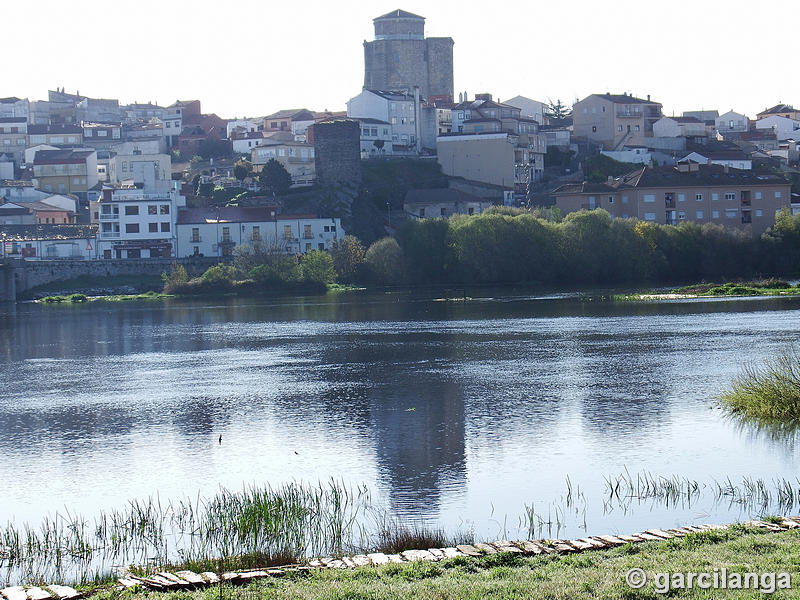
x=389 y=212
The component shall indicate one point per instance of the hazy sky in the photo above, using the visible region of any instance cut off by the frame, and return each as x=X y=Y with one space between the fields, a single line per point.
x=253 y=57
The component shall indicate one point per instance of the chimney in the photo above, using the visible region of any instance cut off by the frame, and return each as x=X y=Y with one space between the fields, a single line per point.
x=648 y=97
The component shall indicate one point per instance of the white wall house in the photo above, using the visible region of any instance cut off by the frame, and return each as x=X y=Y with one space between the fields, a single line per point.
x=376 y=137
x=732 y=160
x=243 y=143
x=530 y=108
x=784 y=128
x=219 y=231
x=125 y=166
x=139 y=223
x=399 y=110
x=243 y=126
x=732 y=122
x=630 y=155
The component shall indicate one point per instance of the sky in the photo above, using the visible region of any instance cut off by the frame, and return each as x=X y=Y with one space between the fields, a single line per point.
x=254 y=57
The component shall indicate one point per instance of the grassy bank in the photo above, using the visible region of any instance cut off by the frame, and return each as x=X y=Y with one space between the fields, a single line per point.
x=82 y=298
x=770 y=392
x=759 y=287
x=95 y=286
x=592 y=574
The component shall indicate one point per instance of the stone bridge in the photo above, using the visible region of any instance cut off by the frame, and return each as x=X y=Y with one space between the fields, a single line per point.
x=17 y=275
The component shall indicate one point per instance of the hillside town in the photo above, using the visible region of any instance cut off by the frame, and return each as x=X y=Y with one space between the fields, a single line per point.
x=94 y=179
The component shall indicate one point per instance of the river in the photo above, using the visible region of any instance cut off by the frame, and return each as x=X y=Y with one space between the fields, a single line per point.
x=455 y=413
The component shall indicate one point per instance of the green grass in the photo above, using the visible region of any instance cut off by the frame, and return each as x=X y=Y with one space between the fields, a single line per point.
x=587 y=575
x=86 y=282
x=81 y=298
x=760 y=287
x=768 y=392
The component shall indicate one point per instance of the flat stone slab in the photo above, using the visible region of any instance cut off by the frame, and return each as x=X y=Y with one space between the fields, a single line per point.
x=629 y=538
x=246 y=576
x=485 y=548
x=191 y=577
x=362 y=560
x=64 y=592
x=210 y=577
x=316 y=563
x=598 y=545
x=609 y=539
x=437 y=554
x=452 y=552
x=230 y=576
x=124 y=582
x=412 y=555
x=173 y=578
x=378 y=558
x=349 y=562
x=395 y=558
x=790 y=524
x=563 y=546
x=469 y=550
x=15 y=592
x=579 y=545
x=660 y=533
x=649 y=537
x=505 y=546
x=37 y=593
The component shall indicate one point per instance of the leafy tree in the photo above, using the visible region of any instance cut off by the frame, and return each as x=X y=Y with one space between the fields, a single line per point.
x=385 y=261
x=205 y=189
x=275 y=178
x=177 y=276
x=219 y=276
x=241 y=169
x=317 y=267
x=348 y=258
x=277 y=269
x=556 y=112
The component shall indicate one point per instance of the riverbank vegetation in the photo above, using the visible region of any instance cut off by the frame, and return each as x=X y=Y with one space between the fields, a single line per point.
x=82 y=298
x=768 y=392
x=590 y=575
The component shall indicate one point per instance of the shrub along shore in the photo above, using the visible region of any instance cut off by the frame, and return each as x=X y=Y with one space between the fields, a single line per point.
x=739 y=554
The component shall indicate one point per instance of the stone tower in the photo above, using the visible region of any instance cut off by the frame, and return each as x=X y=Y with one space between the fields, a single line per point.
x=401 y=57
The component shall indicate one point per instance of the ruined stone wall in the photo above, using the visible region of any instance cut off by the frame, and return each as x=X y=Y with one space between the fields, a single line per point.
x=337 y=152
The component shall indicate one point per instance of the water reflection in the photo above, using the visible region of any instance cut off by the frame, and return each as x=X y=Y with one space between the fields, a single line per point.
x=448 y=408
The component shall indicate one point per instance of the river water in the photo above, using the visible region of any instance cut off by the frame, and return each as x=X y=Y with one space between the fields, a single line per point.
x=456 y=414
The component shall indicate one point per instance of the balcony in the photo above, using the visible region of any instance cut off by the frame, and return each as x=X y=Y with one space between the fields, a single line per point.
x=621 y=114
x=109 y=217
x=669 y=203
x=195 y=239
x=108 y=235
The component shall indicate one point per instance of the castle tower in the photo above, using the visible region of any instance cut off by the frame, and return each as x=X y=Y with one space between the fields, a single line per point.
x=401 y=57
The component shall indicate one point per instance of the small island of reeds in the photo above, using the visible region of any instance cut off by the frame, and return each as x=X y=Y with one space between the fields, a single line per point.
x=769 y=392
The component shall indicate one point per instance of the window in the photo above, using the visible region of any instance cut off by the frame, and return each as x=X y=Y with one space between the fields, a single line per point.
x=76 y=181
x=131 y=228
x=308 y=247
x=321 y=246
x=196 y=250
x=165 y=227
x=715 y=214
x=443 y=211
x=681 y=215
x=124 y=165
x=698 y=197
x=778 y=195
x=226 y=234
x=649 y=216
x=195 y=234
x=649 y=198
x=287 y=232
x=421 y=212
x=681 y=197
x=152 y=227
x=714 y=196
x=637 y=128
x=131 y=210
x=759 y=212
x=730 y=195
x=152 y=209
x=594 y=128
x=165 y=209
x=134 y=254
x=307 y=232
x=731 y=213
x=256 y=233
x=619 y=127
x=699 y=214
x=102 y=133
x=624 y=199
x=611 y=199
x=758 y=196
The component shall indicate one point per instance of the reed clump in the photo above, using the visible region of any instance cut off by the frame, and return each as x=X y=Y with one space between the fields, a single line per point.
x=768 y=392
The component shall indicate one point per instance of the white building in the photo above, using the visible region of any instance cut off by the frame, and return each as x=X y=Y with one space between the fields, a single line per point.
x=730 y=159
x=376 y=137
x=732 y=123
x=139 y=222
x=532 y=109
x=296 y=157
x=679 y=127
x=243 y=126
x=400 y=110
x=14 y=107
x=21 y=191
x=219 y=231
x=783 y=127
x=244 y=142
x=126 y=165
x=630 y=155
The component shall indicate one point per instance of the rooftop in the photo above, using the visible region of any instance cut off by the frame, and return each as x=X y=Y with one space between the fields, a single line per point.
x=777 y=109
x=438 y=195
x=226 y=214
x=623 y=99
x=54 y=157
x=399 y=14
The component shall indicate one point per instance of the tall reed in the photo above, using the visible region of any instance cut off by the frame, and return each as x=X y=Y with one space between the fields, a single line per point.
x=769 y=392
